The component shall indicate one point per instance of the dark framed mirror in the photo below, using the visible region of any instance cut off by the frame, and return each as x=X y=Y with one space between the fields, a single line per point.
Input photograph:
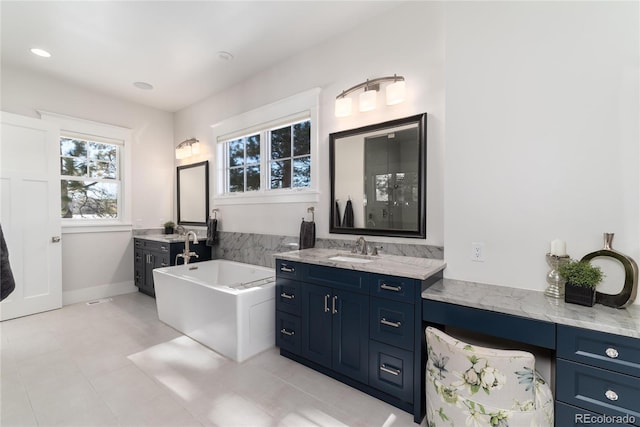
x=193 y=193
x=378 y=179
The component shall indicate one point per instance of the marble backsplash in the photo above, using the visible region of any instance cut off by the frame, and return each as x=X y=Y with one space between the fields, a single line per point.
x=259 y=249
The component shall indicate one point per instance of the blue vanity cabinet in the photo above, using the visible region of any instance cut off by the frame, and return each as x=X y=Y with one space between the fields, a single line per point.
x=597 y=373
x=150 y=254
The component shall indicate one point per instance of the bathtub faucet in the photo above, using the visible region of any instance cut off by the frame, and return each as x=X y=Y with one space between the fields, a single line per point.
x=187 y=253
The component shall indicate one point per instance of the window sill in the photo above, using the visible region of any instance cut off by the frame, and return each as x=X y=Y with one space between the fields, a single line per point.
x=74 y=227
x=286 y=196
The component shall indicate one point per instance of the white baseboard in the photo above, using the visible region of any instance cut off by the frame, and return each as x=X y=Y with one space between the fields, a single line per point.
x=96 y=292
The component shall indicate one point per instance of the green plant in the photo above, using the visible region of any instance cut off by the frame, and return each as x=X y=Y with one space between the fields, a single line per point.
x=581 y=273
x=169 y=224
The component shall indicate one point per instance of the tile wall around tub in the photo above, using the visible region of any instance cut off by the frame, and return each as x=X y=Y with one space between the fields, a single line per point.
x=259 y=249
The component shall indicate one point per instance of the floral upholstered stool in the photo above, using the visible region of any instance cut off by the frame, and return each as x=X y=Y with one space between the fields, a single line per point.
x=469 y=385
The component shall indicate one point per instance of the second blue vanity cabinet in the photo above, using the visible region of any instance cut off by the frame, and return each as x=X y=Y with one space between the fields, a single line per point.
x=598 y=372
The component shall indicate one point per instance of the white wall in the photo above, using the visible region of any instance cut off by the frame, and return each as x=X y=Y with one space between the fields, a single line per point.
x=95 y=264
x=407 y=41
x=542 y=135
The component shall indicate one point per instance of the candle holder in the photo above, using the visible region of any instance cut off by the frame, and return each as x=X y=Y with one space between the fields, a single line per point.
x=555 y=281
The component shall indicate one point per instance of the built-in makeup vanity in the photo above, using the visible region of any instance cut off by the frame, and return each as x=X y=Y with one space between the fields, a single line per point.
x=357 y=318
x=596 y=349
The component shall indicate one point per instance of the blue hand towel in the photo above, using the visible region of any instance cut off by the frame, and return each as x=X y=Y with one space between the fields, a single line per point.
x=212 y=231
x=307 y=234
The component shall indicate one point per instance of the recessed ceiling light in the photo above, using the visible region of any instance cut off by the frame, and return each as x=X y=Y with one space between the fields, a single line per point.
x=225 y=56
x=40 y=52
x=143 y=85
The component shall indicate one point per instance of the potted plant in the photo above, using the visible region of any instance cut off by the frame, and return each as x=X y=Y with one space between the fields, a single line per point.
x=581 y=280
x=168 y=227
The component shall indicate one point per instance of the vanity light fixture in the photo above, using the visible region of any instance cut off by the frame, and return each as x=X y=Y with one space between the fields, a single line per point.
x=367 y=100
x=187 y=148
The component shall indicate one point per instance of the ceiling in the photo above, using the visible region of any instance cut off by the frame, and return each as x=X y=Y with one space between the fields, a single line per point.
x=173 y=45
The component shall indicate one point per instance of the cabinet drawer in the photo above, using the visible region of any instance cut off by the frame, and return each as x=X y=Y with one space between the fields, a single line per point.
x=597 y=390
x=391 y=322
x=288 y=332
x=608 y=351
x=338 y=278
x=289 y=269
x=393 y=287
x=570 y=416
x=288 y=296
x=391 y=370
x=156 y=246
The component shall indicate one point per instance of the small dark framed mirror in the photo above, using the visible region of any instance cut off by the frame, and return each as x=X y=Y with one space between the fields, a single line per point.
x=378 y=179
x=193 y=193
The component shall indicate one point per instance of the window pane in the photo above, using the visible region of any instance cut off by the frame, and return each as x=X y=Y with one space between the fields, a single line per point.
x=302 y=138
x=73 y=147
x=253 y=149
x=236 y=180
x=100 y=151
x=302 y=172
x=281 y=174
x=89 y=199
x=73 y=167
x=103 y=170
x=236 y=152
x=253 y=178
x=281 y=143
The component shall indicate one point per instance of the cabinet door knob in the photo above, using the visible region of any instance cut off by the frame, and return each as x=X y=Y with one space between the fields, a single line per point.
x=391 y=371
x=612 y=352
x=388 y=323
x=287 y=296
x=611 y=395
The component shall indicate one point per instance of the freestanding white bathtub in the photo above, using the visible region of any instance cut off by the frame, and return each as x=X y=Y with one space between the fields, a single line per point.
x=227 y=306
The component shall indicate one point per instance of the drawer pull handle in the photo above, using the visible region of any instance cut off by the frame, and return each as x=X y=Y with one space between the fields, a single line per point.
x=390 y=288
x=612 y=353
x=611 y=395
x=287 y=269
x=326 y=303
x=388 y=323
x=288 y=333
x=391 y=371
x=164 y=264
x=164 y=248
x=287 y=296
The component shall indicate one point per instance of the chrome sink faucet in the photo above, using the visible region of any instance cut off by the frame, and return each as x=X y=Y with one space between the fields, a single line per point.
x=187 y=253
x=361 y=244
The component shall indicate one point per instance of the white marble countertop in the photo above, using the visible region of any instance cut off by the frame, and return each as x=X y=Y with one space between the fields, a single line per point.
x=535 y=305
x=166 y=238
x=393 y=265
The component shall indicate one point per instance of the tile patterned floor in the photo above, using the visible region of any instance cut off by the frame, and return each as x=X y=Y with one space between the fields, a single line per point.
x=116 y=364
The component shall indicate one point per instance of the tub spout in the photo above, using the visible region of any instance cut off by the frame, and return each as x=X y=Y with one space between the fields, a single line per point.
x=187 y=253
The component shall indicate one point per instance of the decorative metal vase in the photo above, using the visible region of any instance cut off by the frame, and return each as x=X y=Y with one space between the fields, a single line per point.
x=630 y=288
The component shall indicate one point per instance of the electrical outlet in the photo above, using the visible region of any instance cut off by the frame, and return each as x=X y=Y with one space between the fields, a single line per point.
x=477 y=251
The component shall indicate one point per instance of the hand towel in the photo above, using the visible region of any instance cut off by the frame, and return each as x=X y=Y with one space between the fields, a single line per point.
x=347 y=221
x=6 y=275
x=212 y=231
x=307 y=235
x=337 y=215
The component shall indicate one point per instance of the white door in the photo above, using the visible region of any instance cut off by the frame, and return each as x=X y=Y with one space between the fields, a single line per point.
x=30 y=213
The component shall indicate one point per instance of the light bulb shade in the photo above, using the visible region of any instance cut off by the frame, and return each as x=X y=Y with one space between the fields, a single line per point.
x=343 y=107
x=195 y=148
x=395 y=92
x=367 y=100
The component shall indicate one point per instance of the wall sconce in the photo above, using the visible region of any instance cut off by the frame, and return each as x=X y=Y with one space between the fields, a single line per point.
x=367 y=100
x=187 y=148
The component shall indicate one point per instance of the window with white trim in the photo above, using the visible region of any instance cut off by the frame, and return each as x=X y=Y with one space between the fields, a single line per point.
x=286 y=165
x=90 y=183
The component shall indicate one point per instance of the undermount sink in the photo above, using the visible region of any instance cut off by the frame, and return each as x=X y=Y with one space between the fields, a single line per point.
x=351 y=259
